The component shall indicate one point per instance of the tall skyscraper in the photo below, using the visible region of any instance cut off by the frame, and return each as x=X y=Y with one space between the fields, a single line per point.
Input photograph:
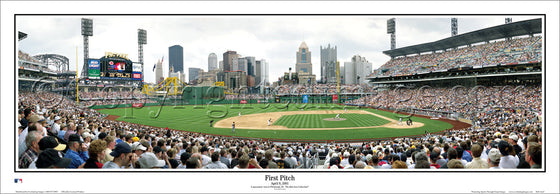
x=241 y=64
x=258 y=72
x=357 y=70
x=349 y=73
x=176 y=58
x=303 y=62
x=328 y=64
x=230 y=60
x=221 y=66
x=194 y=73
x=250 y=66
x=212 y=62
x=261 y=72
x=159 y=72
x=266 y=72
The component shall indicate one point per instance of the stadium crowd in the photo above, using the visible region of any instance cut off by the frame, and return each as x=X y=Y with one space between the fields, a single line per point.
x=108 y=98
x=321 y=89
x=515 y=50
x=53 y=132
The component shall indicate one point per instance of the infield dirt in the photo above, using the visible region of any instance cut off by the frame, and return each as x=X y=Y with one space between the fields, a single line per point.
x=260 y=120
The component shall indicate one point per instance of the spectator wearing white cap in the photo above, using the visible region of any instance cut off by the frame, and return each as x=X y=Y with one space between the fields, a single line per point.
x=56 y=125
x=513 y=141
x=292 y=159
x=344 y=161
x=494 y=158
x=87 y=138
x=150 y=160
x=138 y=148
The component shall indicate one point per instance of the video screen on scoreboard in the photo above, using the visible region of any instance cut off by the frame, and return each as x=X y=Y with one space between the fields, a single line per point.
x=116 y=68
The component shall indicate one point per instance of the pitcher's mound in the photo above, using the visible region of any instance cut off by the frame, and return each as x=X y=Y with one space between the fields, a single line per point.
x=334 y=119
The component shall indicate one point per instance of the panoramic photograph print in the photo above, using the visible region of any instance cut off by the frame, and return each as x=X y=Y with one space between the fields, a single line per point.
x=279 y=93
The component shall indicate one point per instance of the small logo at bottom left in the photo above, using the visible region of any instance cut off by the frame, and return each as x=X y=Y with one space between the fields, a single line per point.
x=18 y=180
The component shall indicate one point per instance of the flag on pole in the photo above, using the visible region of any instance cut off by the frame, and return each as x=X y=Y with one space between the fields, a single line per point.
x=154 y=68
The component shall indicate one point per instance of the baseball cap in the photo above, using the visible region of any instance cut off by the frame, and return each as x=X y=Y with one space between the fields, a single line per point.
x=51 y=142
x=503 y=146
x=56 y=118
x=145 y=143
x=514 y=137
x=150 y=160
x=497 y=134
x=50 y=157
x=87 y=134
x=120 y=148
x=494 y=155
x=138 y=146
x=334 y=155
x=369 y=157
x=74 y=137
x=135 y=139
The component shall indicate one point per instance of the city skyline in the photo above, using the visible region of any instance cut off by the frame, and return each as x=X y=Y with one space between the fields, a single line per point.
x=273 y=38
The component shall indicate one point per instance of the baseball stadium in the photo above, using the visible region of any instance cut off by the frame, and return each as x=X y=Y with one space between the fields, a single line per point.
x=468 y=101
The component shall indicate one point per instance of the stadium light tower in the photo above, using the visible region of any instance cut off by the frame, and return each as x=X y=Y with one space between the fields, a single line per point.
x=391 y=30
x=87 y=31
x=454 y=27
x=142 y=40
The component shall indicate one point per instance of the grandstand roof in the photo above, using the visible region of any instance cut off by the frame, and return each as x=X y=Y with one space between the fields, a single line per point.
x=520 y=28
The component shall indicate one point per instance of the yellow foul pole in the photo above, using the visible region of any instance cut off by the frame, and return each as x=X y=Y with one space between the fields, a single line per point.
x=77 y=79
x=337 y=77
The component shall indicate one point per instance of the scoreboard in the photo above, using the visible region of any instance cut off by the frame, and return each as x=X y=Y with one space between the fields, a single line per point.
x=114 y=67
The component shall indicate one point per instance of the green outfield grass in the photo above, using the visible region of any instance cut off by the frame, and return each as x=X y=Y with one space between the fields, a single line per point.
x=317 y=121
x=197 y=118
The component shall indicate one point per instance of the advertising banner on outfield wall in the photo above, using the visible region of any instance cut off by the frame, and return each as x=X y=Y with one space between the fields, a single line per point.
x=305 y=99
x=335 y=98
